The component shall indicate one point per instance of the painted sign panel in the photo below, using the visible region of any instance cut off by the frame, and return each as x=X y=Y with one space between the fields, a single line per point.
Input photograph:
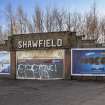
x=39 y=65
x=4 y=62
x=88 y=62
x=39 y=54
x=40 y=43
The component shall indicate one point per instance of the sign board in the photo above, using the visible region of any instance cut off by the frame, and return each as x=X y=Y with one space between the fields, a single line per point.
x=4 y=62
x=40 y=43
x=88 y=62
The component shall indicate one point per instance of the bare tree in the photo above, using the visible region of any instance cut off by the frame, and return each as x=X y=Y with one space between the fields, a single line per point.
x=29 y=26
x=102 y=26
x=68 y=22
x=92 y=23
x=10 y=19
x=1 y=34
x=58 y=20
x=23 y=24
x=38 y=20
x=48 y=20
x=54 y=20
x=76 y=22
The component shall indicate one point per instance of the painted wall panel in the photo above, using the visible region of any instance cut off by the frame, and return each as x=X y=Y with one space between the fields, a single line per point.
x=88 y=62
x=40 y=64
x=4 y=62
x=58 y=54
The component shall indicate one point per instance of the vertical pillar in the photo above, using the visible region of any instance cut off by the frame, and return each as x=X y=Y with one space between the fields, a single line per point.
x=13 y=64
x=67 y=64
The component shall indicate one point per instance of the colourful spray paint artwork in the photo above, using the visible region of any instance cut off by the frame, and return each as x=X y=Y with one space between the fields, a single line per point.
x=88 y=62
x=4 y=62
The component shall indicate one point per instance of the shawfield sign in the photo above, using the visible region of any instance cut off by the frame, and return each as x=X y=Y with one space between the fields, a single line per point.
x=40 y=43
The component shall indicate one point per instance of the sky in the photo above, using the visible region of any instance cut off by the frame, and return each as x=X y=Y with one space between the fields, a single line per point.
x=81 y=6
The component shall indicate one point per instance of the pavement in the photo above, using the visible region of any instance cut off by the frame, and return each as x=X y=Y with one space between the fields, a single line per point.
x=52 y=92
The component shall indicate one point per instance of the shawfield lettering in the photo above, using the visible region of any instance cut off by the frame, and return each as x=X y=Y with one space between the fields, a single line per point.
x=40 y=43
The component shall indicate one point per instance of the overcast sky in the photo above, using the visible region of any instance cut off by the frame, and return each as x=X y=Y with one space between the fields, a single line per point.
x=81 y=6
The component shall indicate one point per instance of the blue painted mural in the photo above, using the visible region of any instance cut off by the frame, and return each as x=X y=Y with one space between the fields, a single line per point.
x=4 y=62
x=88 y=62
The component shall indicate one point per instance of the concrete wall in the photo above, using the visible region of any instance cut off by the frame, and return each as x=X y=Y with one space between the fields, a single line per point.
x=70 y=40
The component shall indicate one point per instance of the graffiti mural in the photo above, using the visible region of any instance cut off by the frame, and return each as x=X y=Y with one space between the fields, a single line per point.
x=35 y=68
x=4 y=62
x=41 y=70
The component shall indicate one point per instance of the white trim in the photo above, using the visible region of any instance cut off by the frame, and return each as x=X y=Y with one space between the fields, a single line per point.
x=5 y=73
x=40 y=78
x=71 y=62
x=87 y=48
x=88 y=74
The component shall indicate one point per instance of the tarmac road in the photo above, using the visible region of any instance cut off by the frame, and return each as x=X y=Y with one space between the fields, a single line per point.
x=56 y=92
